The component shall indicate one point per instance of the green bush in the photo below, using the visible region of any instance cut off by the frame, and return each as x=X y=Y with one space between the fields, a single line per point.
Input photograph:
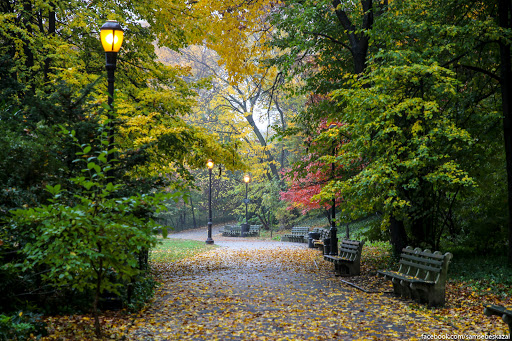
x=368 y=229
x=80 y=245
x=141 y=291
x=21 y=326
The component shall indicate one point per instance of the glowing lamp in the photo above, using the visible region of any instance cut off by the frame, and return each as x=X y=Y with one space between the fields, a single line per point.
x=111 y=36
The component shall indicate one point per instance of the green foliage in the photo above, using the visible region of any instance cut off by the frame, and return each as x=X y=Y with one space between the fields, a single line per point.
x=417 y=124
x=142 y=290
x=454 y=38
x=422 y=121
x=53 y=73
x=409 y=142
x=315 y=44
x=21 y=326
x=80 y=245
x=488 y=274
x=368 y=229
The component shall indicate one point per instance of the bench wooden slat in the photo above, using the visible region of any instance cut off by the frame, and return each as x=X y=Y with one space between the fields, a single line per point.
x=350 y=246
x=338 y=258
x=421 y=266
x=423 y=259
x=423 y=253
x=400 y=276
x=231 y=230
x=351 y=242
x=344 y=249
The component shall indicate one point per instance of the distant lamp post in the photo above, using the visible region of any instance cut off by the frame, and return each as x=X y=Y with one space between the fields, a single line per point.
x=209 y=240
x=111 y=36
x=245 y=228
x=247 y=179
x=333 y=231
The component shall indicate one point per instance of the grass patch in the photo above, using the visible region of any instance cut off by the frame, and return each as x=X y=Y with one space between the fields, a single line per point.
x=172 y=250
x=376 y=256
x=483 y=274
x=366 y=229
x=272 y=235
x=316 y=221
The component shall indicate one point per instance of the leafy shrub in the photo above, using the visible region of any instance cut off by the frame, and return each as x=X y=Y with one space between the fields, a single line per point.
x=21 y=326
x=79 y=245
x=368 y=229
x=141 y=291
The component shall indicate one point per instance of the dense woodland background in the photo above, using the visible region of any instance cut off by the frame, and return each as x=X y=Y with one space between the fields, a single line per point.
x=415 y=91
x=398 y=109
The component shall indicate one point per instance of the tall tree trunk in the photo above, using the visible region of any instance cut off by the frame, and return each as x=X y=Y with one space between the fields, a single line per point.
x=261 y=139
x=99 y=273
x=51 y=32
x=398 y=235
x=505 y=21
x=359 y=42
x=184 y=215
x=29 y=55
x=264 y=221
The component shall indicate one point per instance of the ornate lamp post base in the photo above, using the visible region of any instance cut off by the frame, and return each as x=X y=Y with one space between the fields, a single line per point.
x=209 y=240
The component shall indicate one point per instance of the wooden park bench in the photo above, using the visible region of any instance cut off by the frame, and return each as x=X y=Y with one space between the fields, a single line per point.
x=298 y=235
x=348 y=261
x=324 y=234
x=225 y=229
x=421 y=275
x=503 y=312
x=236 y=231
x=231 y=231
x=254 y=230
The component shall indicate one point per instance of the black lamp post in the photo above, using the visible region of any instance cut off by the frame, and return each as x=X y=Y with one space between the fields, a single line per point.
x=333 y=231
x=247 y=179
x=111 y=36
x=209 y=240
x=245 y=228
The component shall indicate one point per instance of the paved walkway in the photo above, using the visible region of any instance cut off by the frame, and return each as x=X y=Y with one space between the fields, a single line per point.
x=260 y=290
x=201 y=234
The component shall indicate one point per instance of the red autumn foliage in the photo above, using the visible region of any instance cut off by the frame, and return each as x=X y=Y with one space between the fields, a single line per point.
x=308 y=182
x=303 y=188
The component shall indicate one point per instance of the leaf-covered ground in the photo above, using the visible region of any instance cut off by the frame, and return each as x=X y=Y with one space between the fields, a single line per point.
x=282 y=294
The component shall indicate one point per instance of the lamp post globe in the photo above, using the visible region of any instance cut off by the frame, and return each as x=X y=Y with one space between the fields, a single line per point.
x=111 y=37
x=247 y=178
x=209 y=240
